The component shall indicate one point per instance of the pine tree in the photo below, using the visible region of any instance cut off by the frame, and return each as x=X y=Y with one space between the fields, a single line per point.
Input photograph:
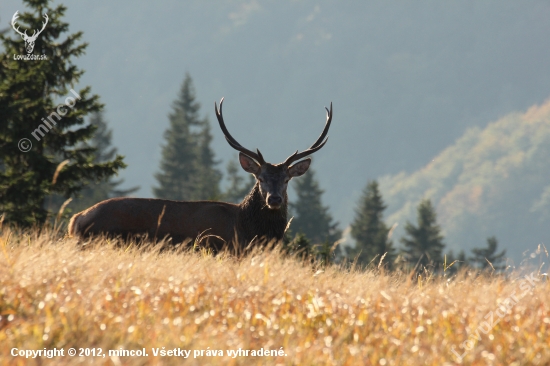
x=238 y=188
x=369 y=230
x=482 y=256
x=57 y=162
x=425 y=242
x=96 y=192
x=312 y=218
x=188 y=167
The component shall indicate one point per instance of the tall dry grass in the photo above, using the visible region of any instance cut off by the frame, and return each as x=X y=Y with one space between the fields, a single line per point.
x=53 y=294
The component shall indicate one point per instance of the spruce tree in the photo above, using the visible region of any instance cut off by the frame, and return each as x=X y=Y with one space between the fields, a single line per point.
x=96 y=192
x=208 y=177
x=424 y=244
x=482 y=256
x=369 y=230
x=188 y=167
x=311 y=218
x=57 y=162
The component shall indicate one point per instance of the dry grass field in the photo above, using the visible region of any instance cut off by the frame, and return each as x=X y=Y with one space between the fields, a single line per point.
x=213 y=310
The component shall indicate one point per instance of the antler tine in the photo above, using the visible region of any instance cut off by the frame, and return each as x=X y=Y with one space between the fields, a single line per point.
x=325 y=130
x=231 y=140
x=44 y=24
x=13 y=23
x=321 y=141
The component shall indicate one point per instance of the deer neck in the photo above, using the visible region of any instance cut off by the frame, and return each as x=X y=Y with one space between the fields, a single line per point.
x=257 y=220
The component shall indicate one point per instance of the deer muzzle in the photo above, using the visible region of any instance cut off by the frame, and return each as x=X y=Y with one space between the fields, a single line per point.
x=274 y=201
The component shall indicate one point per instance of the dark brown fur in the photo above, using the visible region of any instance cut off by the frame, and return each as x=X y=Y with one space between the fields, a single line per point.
x=255 y=219
x=181 y=221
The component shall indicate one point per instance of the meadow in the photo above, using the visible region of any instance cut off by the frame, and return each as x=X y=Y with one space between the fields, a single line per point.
x=189 y=307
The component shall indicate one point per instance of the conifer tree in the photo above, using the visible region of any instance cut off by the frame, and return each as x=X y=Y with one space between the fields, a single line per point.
x=424 y=244
x=482 y=256
x=369 y=230
x=188 y=167
x=311 y=218
x=96 y=192
x=208 y=177
x=57 y=162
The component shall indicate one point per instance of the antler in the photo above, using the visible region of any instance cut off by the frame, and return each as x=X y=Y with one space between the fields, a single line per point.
x=43 y=26
x=13 y=19
x=316 y=146
x=24 y=35
x=234 y=144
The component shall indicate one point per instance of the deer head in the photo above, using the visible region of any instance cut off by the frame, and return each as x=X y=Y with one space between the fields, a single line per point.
x=29 y=41
x=273 y=178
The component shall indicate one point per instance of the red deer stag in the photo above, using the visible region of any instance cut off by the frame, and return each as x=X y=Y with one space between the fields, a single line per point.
x=262 y=214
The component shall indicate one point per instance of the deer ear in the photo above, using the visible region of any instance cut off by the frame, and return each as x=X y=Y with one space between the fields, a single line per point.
x=248 y=164
x=300 y=168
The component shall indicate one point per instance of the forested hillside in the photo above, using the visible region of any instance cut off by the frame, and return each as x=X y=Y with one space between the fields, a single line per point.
x=491 y=181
